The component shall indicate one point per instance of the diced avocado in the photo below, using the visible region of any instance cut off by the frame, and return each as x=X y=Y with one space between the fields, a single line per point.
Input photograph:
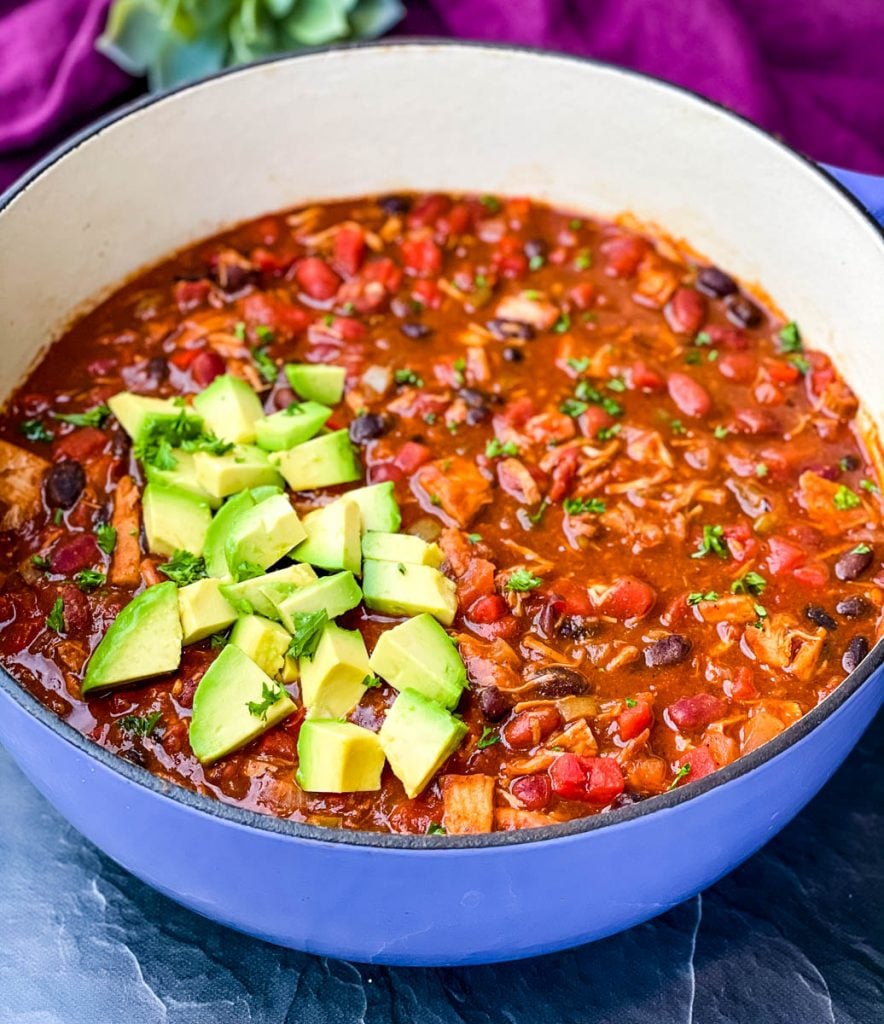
x=143 y=640
x=323 y=462
x=229 y=408
x=182 y=476
x=203 y=610
x=174 y=520
x=338 y=757
x=133 y=411
x=234 y=702
x=261 y=594
x=265 y=642
x=263 y=534
x=418 y=736
x=320 y=383
x=243 y=466
x=402 y=588
x=401 y=547
x=294 y=425
x=420 y=655
x=378 y=506
x=222 y=525
x=333 y=536
x=336 y=594
x=333 y=680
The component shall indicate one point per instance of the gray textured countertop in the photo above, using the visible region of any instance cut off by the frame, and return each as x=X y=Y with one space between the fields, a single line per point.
x=796 y=935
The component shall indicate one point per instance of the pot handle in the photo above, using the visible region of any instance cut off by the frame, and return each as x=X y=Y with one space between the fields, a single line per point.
x=867 y=188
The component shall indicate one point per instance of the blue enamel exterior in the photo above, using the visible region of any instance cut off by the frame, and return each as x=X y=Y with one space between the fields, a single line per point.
x=427 y=900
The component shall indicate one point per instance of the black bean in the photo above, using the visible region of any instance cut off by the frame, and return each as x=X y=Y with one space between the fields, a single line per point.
x=368 y=427
x=849 y=462
x=854 y=607
x=625 y=800
x=857 y=649
x=493 y=703
x=415 y=330
x=135 y=755
x=536 y=247
x=157 y=369
x=475 y=398
x=572 y=627
x=513 y=355
x=394 y=204
x=820 y=617
x=475 y=416
x=742 y=312
x=670 y=650
x=715 y=283
x=853 y=563
x=233 y=277
x=552 y=681
x=504 y=329
x=64 y=484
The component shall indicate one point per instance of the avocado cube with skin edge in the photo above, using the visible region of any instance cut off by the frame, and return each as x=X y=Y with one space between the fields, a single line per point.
x=378 y=506
x=264 y=534
x=418 y=654
x=233 y=704
x=333 y=594
x=264 y=641
x=229 y=408
x=133 y=411
x=418 y=736
x=401 y=547
x=318 y=382
x=291 y=426
x=244 y=466
x=402 y=588
x=333 y=680
x=261 y=594
x=224 y=522
x=338 y=757
x=324 y=461
x=174 y=520
x=333 y=537
x=203 y=610
x=144 y=640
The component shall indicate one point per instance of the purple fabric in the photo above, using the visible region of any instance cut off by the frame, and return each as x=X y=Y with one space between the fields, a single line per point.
x=814 y=73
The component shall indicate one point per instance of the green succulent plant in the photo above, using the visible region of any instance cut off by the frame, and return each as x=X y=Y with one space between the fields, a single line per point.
x=172 y=41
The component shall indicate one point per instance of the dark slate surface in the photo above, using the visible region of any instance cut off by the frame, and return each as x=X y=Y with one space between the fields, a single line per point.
x=795 y=936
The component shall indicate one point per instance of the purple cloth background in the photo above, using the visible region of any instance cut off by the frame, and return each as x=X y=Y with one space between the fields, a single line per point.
x=813 y=73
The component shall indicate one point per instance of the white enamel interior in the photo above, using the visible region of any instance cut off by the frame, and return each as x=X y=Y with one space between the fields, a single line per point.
x=449 y=117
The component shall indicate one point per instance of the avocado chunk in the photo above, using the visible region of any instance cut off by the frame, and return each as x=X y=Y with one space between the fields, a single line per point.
x=234 y=702
x=402 y=588
x=418 y=737
x=182 y=475
x=317 y=382
x=223 y=523
x=323 y=462
x=263 y=534
x=420 y=655
x=333 y=536
x=203 y=610
x=229 y=408
x=333 y=680
x=243 y=466
x=265 y=642
x=291 y=426
x=378 y=506
x=134 y=411
x=335 y=594
x=338 y=757
x=174 y=520
x=261 y=594
x=401 y=547
x=143 y=640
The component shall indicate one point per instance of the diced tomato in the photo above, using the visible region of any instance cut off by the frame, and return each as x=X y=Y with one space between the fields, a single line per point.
x=784 y=556
x=741 y=686
x=456 y=222
x=595 y=780
x=739 y=367
x=593 y=420
x=477 y=582
x=315 y=277
x=634 y=720
x=80 y=445
x=503 y=629
x=509 y=257
x=563 y=474
x=571 y=598
x=74 y=553
x=701 y=764
x=741 y=543
x=627 y=598
x=205 y=366
x=623 y=254
x=517 y=412
x=814 y=574
x=488 y=609
x=411 y=456
x=427 y=293
x=689 y=395
x=183 y=358
x=582 y=295
x=646 y=379
x=517 y=209
x=427 y=210
x=269 y=262
x=696 y=712
x=780 y=372
x=277 y=313
x=421 y=256
x=372 y=286
x=190 y=294
x=349 y=249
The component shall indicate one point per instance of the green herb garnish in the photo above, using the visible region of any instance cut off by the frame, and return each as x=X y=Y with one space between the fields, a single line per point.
x=89 y=579
x=522 y=580
x=584 y=506
x=698 y=596
x=682 y=773
x=845 y=498
x=93 y=418
x=55 y=619
x=140 y=725
x=790 y=338
x=435 y=829
x=488 y=738
x=269 y=696
x=34 y=430
x=749 y=583
x=307 y=633
x=183 y=568
x=106 y=537
x=248 y=571
x=266 y=366
x=494 y=448
x=407 y=376
x=712 y=543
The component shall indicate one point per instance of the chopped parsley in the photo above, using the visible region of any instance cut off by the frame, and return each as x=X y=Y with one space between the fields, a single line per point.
x=239 y=330
x=761 y=469
x=34 y=430
x=371 y=682
x=264 y=334
x=183 y=568
x=606 y=433
x=491 y=203
x=720 y=433
x=678 y=427
x=536 y=262
x=573 y=408
x=712 y=543
x=616 y=384
x=488 y=738
x=692 y=357
x=800 y=363
x=140 y=725
x=294 y=409
x=435 y=829
x=89 y=579
x=93 y=418
x=58 y=516
x=106 y=537
x=218 y=640
x=407 y=376
x=682 y=773
x=55 y=619
x=703 y=338
x=435 y=500
x=583 y=506
x=870 y=486
x=749 y=583
x=563 y=324
x=790 y=338
x=585 y=392
x=522 y=580
x=308 y=630
x=698 y=596
x=579 y=365
x=269 y=696
x=845 y=498
x=459 y=366
x=266 y=366
x=156 y=441
x=584 y=260
x=575 y=224
x=400 y=568
x=861 y=549
x=537 y=514
x=474 y=538
x=40 y=562
x=248 y=571
x=494 y=449
x=631 y=702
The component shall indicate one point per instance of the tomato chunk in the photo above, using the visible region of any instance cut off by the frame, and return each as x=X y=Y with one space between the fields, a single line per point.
x=633 y=721
x=594 y=780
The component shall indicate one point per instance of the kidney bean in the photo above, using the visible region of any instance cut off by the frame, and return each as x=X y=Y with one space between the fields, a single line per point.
x=368 y=427
x=559 y=681
x=493 y=703
x=625 y=800
x=64 y=484
x=820 y=617
x=74 y=553
x=742 y=312
x=689 y=713
x=755 y=421
x=315 y=277
x=595 y=780
x=532 y=791
x=856 y=651
x=854 y=607
x=685 y=311
x=669 y=650
x=740 y=367
x=529 y=728
x=206 y=366
x=853 y=563
x=715 y=283
x=689 y=395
